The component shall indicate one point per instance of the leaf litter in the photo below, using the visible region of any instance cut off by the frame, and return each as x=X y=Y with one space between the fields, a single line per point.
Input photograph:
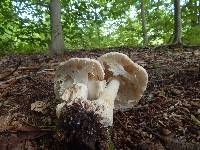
x=166 y=117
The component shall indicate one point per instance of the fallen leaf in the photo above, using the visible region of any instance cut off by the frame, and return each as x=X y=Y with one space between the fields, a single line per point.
x=165 y=131
x=38 y=106
x=195 y=120
x=197 y=53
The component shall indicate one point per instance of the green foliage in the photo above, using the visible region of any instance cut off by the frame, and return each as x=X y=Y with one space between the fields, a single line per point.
x=127 y=34
x=192 y=35
x=25 y=24
x=22 y=28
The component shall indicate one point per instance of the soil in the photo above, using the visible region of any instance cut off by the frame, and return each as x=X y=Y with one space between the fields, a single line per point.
x=166 y=117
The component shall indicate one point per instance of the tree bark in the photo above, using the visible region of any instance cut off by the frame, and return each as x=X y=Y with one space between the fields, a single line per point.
x=177 y=23
x=57 y=42
x=143 y=20
x=199 y=14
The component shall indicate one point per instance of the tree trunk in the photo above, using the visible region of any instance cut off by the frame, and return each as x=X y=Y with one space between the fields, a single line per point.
x=143 y=20
x=57 y=41
x=199 y=13
x=177 y=23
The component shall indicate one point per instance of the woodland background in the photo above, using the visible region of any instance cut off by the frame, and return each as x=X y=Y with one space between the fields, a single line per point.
x=163 y=36
x=29 y=26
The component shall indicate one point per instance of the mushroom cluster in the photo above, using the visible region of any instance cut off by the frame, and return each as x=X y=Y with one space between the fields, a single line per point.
x=113 y=81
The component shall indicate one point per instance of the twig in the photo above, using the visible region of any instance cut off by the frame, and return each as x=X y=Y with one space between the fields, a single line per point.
x=165 y=140
x=173 y=144
x=123 y=113
x=12 y=79
x=140 y=107
x=29 y=68
x=24 y=76
x=10 y=73
x=191 y=46
x=121 y=124
x=131 y=108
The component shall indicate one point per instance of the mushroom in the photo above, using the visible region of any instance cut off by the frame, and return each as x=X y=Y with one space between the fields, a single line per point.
x=127 y=80
x=74 y=77
x=83 y=79
x=87 y=103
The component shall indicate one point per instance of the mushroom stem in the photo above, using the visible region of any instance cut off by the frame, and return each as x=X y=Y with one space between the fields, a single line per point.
x=110 y=92
x=106 y=102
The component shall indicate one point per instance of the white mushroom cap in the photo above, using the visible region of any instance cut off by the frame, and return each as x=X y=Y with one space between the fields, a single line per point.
x=74 y=74
x=133 y=78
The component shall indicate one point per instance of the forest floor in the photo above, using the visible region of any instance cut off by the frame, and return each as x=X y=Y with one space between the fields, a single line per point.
x=167 y=115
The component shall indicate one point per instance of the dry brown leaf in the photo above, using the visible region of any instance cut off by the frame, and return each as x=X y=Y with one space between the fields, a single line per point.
x=38 y=106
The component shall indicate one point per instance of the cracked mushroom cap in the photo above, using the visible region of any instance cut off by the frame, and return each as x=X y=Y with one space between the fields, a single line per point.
x=76 y=71
x=133 y=78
